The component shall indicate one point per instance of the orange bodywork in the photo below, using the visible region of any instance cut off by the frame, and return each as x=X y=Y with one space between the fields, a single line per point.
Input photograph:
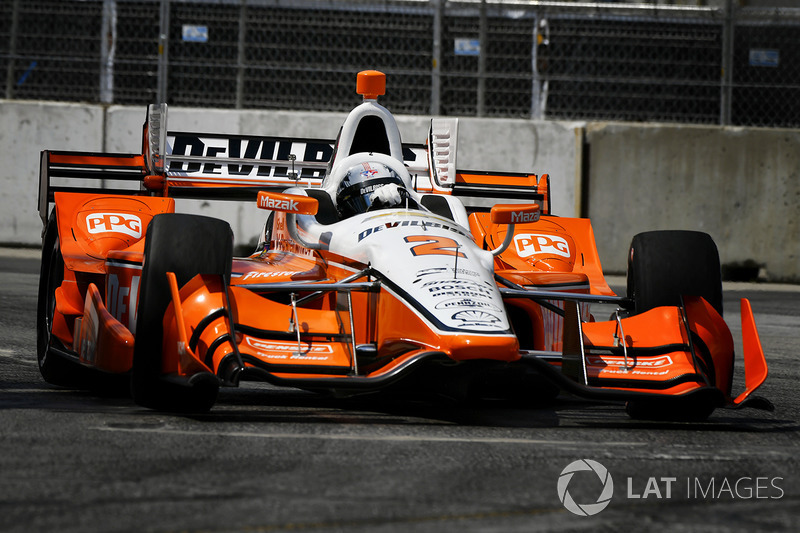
x=96 y=312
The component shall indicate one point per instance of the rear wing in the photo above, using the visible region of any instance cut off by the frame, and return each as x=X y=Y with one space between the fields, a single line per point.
x=236 y=167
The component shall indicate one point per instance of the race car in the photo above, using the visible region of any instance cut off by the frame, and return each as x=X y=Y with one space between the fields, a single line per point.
x=381 y=268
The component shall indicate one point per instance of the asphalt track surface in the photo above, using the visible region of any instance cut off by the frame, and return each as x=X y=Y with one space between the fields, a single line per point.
x=271 y=460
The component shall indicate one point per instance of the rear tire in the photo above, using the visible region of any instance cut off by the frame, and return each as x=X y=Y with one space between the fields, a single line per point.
x=664 y=265
x=186 y=245
x=54 y=368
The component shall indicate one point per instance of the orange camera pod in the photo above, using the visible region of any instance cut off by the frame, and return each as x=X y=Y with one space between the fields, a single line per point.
x=371 y=84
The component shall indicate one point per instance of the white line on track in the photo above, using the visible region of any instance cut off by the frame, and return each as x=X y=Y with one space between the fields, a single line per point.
x=15 y=357
x=380 y=438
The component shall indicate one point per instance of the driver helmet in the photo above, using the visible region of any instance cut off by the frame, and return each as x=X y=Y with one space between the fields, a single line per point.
x=360 y=181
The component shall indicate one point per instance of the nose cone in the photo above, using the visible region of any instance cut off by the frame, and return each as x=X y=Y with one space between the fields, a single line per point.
x=464 y=347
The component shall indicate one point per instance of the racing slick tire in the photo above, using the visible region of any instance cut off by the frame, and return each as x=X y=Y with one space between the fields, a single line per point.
x=663 y=266
x=186 y=245
x=56 y=369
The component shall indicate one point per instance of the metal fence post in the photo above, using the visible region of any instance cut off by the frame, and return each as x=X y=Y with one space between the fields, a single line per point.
x=726 y=94
x=482 y=40
x=163 y=52
x=240 y=54
x=108 y=44
x=12 y=50
x=436 y=64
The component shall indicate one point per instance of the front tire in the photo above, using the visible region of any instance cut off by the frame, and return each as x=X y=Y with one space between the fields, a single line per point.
x=665 y=265
x=186 y=245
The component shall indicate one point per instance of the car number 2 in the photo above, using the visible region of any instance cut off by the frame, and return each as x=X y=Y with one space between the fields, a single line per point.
x=434 y=245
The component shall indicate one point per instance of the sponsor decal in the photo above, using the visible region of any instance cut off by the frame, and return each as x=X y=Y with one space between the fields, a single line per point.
x=528 y=244
x=268 y=155
x=639 y=362
x=409 y=223
x=475 y=318
x=457 y=287
x=288 y=350
x=248 y=148
x=266 y=275
x=518 y=217
x=430 y=271
x=368 y=171
x=121 y=300
x=281 y=205
x=446 y=271
x=114 y=223
x=467 y=303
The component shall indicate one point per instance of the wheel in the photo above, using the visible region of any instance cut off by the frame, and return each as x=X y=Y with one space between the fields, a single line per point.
x=663 y=265
x=695 y=407
x=186 y=245
x=54 y=368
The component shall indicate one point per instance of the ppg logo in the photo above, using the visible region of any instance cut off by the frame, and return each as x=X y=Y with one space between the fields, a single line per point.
x=114 y=222
x=529 y=244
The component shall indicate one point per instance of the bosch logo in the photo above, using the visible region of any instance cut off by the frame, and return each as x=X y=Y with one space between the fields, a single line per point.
x=586 y=509
x=114 y=223
x=281 y=205
x=529 y=244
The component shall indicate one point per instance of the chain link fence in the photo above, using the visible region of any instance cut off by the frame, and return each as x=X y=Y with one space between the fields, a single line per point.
x=542 y=60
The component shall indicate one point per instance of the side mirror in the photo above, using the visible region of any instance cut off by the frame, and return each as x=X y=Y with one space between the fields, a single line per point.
x=288 y=203
x=512 y=214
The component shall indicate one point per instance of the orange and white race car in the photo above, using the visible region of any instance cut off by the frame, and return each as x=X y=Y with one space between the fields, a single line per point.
x=382 y=267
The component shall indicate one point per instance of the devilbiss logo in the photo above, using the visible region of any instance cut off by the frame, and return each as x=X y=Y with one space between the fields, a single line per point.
x=590 y=468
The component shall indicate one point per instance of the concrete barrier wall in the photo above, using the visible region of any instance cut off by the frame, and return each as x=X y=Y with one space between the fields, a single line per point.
x=25 y=129
x=739 y=185
x=742 y=186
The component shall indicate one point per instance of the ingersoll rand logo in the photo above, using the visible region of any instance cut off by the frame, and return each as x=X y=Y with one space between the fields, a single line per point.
x=114 y=223
x=529 y=244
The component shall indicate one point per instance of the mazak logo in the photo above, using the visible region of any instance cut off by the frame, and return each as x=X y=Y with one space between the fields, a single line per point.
x=282 y=205
x=114 y=223
x=521 y=217
x=585 y=509
x=529 y=244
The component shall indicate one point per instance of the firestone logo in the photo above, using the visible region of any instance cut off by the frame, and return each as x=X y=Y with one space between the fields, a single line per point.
x=585 y=509
x=114 y=223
